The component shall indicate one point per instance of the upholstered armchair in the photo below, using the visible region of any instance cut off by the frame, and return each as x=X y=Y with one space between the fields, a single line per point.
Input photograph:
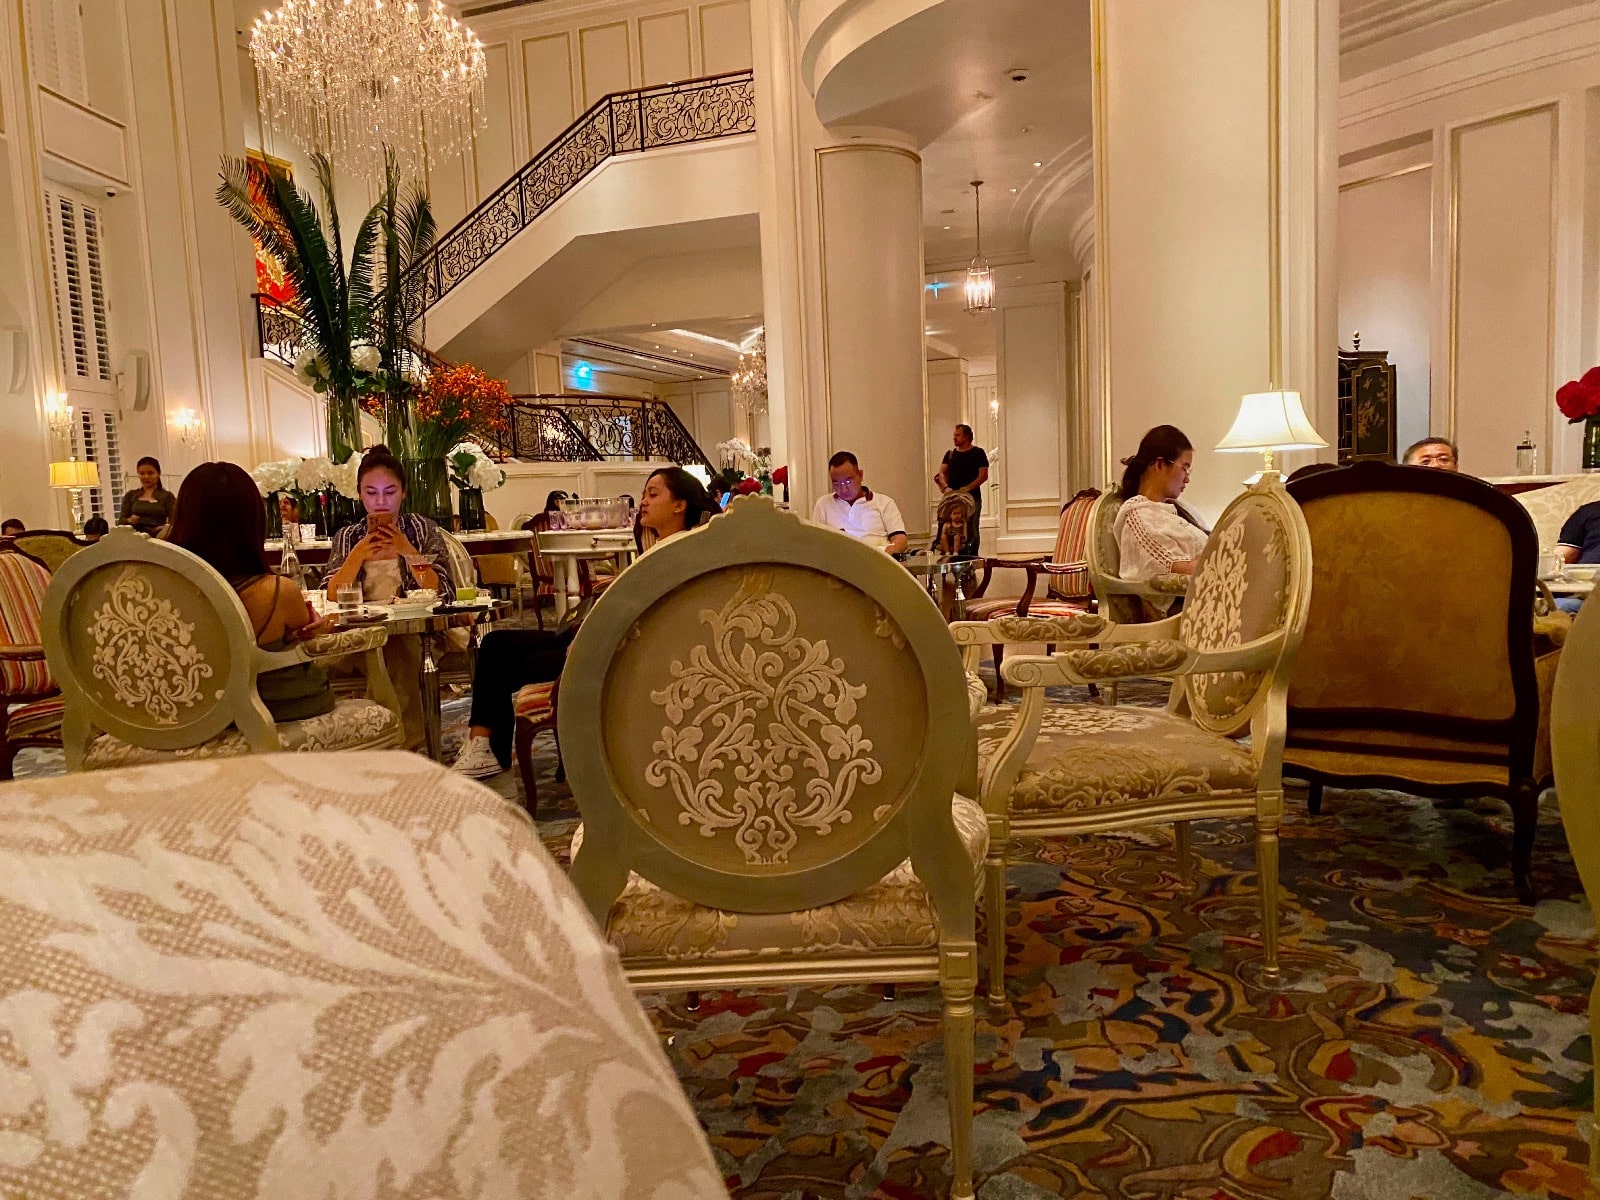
x=765 y=724
x=52 y=547
x=1549 y=507
x=156 y=659
x=1420 y=668
x=25 y=678
x=1575 y=746
x=1065 y=769
x=313 y=975
x=1122 y=600
x=1064 y=572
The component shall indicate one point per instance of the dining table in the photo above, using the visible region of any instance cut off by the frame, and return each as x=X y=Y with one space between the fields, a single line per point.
x=565 y=549
x=424 y=623
x=314 y=552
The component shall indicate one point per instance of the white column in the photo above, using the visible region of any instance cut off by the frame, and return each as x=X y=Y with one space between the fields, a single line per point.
x=1204 y=296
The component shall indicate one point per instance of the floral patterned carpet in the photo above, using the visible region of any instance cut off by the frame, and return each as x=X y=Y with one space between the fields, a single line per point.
x=1429 y=1038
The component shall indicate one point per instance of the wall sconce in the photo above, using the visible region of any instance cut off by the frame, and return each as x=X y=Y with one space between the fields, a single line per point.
x=186 y=424
x=58 y=417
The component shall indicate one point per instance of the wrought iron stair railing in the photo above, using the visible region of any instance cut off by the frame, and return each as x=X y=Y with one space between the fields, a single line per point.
x=674 y=114
x=590 y=427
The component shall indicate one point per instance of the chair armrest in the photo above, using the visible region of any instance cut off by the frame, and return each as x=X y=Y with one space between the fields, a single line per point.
x=1169 y=584
x=1012 y=630
x=1161 y=658
x=21 y=653
x=346 y=641
x=990 y=565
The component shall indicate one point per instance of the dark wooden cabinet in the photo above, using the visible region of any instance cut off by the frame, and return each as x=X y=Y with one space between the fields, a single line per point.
x=1366 y=405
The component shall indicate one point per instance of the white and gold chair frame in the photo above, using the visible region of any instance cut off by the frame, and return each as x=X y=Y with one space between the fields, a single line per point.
x=1224 y=684
x=1575 y=746
x=765 y=724
x=1118 y=598
x=151 y=645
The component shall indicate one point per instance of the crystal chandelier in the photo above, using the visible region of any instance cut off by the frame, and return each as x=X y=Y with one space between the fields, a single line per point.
x=750 y=376
x=979 y=287
x=348 y=77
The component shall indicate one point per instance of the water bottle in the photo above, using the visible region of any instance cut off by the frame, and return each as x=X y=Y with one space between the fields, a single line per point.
x=1527 y=455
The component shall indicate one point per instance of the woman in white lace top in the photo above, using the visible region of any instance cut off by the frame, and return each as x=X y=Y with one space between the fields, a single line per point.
x=1156 y=535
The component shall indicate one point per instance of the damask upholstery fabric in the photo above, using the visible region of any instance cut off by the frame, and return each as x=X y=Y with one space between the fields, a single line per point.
x=1041 y=627
x=52 y=549
x=1550 y=507
x=36 y=719
x=535 y=702
x=346 y=978
x=648 y=924
x=352 y=725
x=22 y=586
x=1092 y=756
x=346 y=641
x=1127 y=660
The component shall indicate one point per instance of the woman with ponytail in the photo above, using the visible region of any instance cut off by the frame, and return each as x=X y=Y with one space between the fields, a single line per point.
x=1156 y=535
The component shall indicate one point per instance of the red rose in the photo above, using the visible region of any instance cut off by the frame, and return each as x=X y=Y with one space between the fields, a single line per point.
x=1580 y=398
x=781 y=475
x=1591 y=379
x=747 y=485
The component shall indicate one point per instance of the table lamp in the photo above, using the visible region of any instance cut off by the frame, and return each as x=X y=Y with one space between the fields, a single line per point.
x=1269 y=421
x=74 y=475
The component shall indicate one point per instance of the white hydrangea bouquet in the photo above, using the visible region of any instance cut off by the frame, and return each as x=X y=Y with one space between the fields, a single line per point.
x=303 y=475
x=471 y=467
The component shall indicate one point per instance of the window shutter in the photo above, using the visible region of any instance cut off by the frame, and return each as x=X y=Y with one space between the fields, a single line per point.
x=98 y=442
x=77 y=275
x=55 y=47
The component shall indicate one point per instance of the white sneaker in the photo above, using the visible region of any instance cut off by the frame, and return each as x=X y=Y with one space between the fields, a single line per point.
x=476 y=760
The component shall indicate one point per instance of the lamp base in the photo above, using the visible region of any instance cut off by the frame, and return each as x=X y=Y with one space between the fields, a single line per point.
x=77 y=509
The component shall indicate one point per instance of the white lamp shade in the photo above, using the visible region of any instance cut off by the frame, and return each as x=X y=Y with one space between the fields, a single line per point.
x=1271 y=421
x=74 y=474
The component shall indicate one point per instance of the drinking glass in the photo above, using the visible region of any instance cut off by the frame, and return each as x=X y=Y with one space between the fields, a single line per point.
x=349 y=599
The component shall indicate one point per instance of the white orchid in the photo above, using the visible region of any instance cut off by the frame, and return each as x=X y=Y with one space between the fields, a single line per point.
x=365 y=357
x=274 y=476
x=735 y=452
x=486 y=475
x=313 y=474
x=343 y=477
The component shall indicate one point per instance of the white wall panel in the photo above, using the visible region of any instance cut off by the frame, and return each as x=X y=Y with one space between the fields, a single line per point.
x=1385 y=288
x=725 y=37
x=1503 y=287
x=548 y=88
x=605 y=60
x=493 y=157
x=1031 y=377
x=664 y=52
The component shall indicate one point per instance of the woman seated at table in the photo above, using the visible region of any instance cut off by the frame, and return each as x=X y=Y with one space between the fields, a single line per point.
x=673 y=502
x=148 y=507
x=1156 y=535
x=386 y=554
x=219 y=517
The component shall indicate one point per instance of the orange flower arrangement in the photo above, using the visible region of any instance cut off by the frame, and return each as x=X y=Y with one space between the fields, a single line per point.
x=457 y=403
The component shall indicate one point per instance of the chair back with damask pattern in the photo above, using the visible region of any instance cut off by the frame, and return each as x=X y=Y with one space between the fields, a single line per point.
x=1105 y=561
x=766 y=716
x=150 y=644
x=1252 y=580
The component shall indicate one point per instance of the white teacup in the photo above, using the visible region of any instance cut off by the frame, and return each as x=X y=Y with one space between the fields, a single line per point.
x=419 y=598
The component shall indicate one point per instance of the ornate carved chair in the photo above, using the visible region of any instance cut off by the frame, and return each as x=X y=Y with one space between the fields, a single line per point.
x=155 y=656
x=1065 y=769
x=301 y=975
x=1421 y=668
x=1066 y=589
x=25 y=678
x=1575 y=744
x=765 y=723
x=535 y=709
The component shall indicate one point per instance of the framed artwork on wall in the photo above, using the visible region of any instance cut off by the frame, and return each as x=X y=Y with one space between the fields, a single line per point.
x=270 y=278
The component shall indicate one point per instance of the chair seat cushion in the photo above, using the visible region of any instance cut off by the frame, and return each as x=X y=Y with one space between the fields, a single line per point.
x=352 y=725
x=985 y=609
x=1098 y=756
x=41 y=719
x=895 y=913
x=535 y=702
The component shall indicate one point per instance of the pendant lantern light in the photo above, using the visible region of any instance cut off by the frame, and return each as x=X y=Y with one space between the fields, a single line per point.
x=979 y=288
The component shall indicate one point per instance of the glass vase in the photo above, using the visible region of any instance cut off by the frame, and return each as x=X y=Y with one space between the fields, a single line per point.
x=344 y=427
x=469 y=506
x=1591 y=443
x=274 y=517
x=428 y=489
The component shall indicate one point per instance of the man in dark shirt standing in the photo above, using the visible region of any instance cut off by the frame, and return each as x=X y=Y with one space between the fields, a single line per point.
x=966 y=469
x=1579 y=543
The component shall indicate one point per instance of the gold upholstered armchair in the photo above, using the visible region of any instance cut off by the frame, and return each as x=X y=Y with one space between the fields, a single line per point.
x=765 y=724
x=1421 y=668
x=1575 y=745
x=1118 y=598
x=1065 y=769
x=155 y=656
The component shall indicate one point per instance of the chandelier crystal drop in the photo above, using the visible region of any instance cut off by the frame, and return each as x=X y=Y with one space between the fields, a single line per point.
x=979 y=287
x=750 y=376
x=348 y=77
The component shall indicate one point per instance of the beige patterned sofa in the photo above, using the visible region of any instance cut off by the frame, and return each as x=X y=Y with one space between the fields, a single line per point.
x=300 y=975
x=1551 y=506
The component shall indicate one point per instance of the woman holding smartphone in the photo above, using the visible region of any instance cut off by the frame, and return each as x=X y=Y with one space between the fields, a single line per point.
x=386 y=554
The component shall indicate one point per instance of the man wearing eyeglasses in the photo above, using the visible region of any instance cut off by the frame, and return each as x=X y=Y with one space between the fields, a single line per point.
x=857 y=510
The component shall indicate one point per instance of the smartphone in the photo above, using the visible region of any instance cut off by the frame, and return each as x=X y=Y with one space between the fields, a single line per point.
x=378 y=520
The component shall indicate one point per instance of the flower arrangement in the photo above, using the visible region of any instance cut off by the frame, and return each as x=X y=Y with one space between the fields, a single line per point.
x=1579 y=399
x=471 y=467
x=303 y=476
x=454 y=403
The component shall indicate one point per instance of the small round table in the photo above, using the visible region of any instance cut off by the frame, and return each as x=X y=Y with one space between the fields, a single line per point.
x=315 y=552
x=936 y=569
x=566 y=547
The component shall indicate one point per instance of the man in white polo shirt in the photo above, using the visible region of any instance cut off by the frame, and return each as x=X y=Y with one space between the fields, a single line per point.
x=855 y=509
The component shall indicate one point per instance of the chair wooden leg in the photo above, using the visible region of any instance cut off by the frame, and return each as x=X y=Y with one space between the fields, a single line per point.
x=1111 y=694
x=692 y=1002
x=561 y=764
x=524 y=753
x=1180 y=838
x=1267 y=877
x=1525 y=822
x=1314 y=798
x=958 y=983
x=889 y=991
x=998 y=652
x=994 y=908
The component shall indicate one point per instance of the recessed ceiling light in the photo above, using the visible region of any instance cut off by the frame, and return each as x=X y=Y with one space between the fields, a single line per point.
x=947 y=229
x=1013 y=191
x=1038 y=164
x=1027 y=129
